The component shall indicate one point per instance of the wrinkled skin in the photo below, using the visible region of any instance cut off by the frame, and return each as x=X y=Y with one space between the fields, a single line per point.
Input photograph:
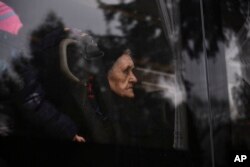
x=121 y=77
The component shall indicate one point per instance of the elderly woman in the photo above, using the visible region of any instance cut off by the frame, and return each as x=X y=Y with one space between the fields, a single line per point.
x=121 y=77
x=109 y=87
x=65 y=99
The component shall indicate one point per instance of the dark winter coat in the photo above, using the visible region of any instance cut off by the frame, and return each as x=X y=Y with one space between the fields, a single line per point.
x=61 y=112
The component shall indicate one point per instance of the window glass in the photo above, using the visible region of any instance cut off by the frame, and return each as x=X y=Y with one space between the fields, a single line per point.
x=40 y=94
x=235 y=18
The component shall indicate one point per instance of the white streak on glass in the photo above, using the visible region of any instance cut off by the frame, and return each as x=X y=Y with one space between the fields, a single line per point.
x=233 y=70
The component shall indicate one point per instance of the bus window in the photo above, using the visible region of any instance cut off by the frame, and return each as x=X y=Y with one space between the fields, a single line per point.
x=30 y=69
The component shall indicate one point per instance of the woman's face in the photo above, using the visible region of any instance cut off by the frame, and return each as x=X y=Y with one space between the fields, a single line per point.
x=121 y=77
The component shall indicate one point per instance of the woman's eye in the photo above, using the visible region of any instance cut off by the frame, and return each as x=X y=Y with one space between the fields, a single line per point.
x=126 y=71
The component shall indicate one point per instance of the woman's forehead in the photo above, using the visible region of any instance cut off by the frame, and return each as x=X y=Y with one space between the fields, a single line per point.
x=124 y=61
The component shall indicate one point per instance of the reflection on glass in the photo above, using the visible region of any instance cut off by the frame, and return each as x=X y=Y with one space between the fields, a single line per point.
x=236 y=31
x=154 y=118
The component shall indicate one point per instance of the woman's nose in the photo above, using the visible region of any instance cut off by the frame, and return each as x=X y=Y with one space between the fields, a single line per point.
x=133 y=77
